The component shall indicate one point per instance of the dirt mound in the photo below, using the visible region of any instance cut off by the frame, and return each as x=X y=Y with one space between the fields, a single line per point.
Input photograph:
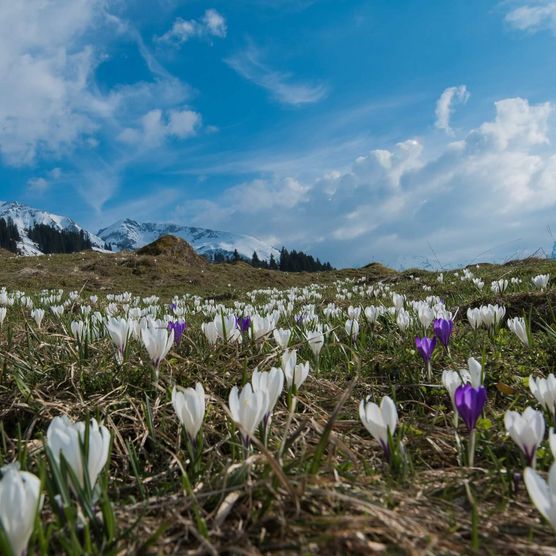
x=173 y=247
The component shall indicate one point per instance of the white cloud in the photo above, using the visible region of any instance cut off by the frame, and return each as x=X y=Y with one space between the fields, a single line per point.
x=445 y=105
x=518 y=122
x=155 y=126
x=212 y=24
x=479 y=194
x=45 y=102
x=532 y=18
x=282 y=86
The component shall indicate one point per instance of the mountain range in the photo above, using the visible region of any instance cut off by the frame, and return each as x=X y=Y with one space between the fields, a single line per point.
x=131 y=235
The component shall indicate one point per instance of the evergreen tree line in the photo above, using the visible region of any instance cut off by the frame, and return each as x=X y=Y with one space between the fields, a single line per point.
x=50 y=240
x=9 y=235
x=289 y=261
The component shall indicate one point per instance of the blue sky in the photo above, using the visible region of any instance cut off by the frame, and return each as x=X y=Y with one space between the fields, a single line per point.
x=356 y=130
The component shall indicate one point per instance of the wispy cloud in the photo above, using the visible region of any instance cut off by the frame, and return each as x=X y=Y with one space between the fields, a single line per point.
x=534 y=17
x=212 y=24
x=282 y=86
x=445 y=105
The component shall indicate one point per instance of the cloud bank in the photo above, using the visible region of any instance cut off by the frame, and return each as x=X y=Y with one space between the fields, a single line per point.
x=487 y=194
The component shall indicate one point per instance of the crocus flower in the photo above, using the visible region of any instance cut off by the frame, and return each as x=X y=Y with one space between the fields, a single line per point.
x=271 y=382
x=425 y=347
x=352 y=329
x=315 y=339
x=297 y=375
x=282 y=337
x=20 y=498
x=542 y=493
x=210 y=331
x=526 y=430
x=469 y=402
x=541 y=281
x=189 y=405
x=474 y=317
x=425 y=315
x=38 y=315
x=452 y=380
x=178 y=327
x=119 y=330
x=519 y=328
x=403 y=319
x=379 y=421
x=248 y=409
x=65 y=437
x=289 y=360
x=158 y=343
x=443 y=330
x=243 y=323
x=544 y=390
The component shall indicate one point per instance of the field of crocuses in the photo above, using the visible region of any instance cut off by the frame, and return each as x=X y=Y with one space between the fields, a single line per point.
x=410 y=415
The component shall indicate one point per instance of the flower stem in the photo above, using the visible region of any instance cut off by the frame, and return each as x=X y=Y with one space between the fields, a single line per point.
x=471 y=448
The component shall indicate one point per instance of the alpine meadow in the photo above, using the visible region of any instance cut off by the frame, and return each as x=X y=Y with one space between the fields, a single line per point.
x=277 y=277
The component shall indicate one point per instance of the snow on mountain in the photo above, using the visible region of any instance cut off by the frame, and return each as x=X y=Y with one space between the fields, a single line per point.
x=129 y=234
x=25 y=218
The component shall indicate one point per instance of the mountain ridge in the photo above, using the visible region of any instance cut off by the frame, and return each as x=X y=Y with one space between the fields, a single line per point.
x=25 y=218
x=128 y=233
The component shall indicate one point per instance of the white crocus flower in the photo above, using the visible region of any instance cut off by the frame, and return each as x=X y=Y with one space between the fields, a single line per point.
x=379 y=421
x=526 y=430
x=398 y=301
x=37 y=315
x=425 y=315
x=226 y=326
x=158 y=342
x=371 y=314
x=474 y=317
x=541 y=281
x=475 y=371
x=289 y=360
x=296 y=376
x=79 y=330
x=248 y=409
x=271 y=382
x=210 y=331
x=352 y=329
x=119 y=330
x=20 y=498
x=518 y=327
x=65 y=437
x=189 y=405
x=315 y=339
x=282 y=337
x=403 y=320
x=3 y=313
x=542 y=493
x=544 y=390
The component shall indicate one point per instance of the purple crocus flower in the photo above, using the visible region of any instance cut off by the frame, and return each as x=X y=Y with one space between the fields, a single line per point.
x=178 y=327
x=443 y=330
x=425 y=347
x=243 y=323
x=470 y=402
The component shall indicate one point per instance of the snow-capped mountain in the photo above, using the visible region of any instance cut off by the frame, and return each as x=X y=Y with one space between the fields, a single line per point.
x=25 y=218
x=129 y=234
